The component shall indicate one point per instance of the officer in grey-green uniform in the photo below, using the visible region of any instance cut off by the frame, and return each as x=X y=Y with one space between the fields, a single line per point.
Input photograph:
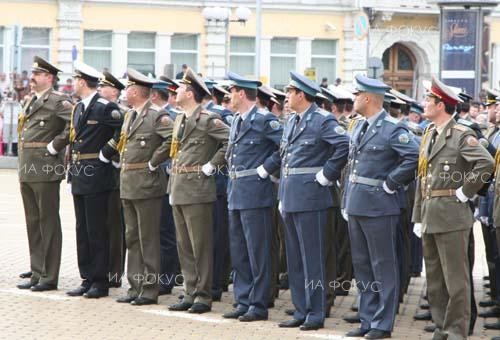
x=453 y=166
x=43 y=135
x=144 y=144
x=200 y=141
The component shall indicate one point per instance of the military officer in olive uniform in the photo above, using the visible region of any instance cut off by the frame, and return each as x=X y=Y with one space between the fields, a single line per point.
x=110 y=88
x=312 y=154
x=95 y=129
x=254 y=136
x=382 y=159
x=144 y=144
x=200 y=140
x=43 y=134
x=453 y=167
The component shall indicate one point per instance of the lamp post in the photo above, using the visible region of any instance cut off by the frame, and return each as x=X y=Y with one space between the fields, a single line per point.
x=222 y=15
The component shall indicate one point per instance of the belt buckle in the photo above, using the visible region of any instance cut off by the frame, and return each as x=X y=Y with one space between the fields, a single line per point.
x=74 y=157
x=232 y=175
x=286 y=171
x=353 y=178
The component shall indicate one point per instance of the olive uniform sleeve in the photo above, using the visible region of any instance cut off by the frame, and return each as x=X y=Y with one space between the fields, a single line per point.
x=64 y=108
x=220 y=132
x=163 y=128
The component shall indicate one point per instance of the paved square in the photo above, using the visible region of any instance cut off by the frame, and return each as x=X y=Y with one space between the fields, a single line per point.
x=54 y=315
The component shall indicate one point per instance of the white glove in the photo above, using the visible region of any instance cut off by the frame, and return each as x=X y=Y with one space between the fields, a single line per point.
x=117 y=165
x=476 y=214
x=208 y=169
x=461 y=196
x=344 y=214
x=151 y=167
x=280 y=208
x=68 y=187
x=274 y=179
x=484 y=219
x=50 y=148
x=102 y=158
x=321 y=179
x=387 y=190
x=417 y=229
x=262 y=172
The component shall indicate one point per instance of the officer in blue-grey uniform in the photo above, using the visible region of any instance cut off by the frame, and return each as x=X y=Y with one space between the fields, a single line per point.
x=312 y=154
x=222 y=263
x=383 y=158
x=255 y=135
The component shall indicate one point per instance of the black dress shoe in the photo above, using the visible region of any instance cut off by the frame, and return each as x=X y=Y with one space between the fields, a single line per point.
x=235 y=304
x=199 y=308
x=216 y=297
x=495 y=325
x=115 y=284
x=424 y=316
x=249 y=317
x=486 y=278
x=291 y=323
x=424 y=306
x=96 y=293
x=142 y=301
x=377 y=334
x=79 y=291
x=357 y=333
x=26 y=285
x=165 y=291
x=125 y=299
x=487 y=303
x=42 y=287
x=270 y=304
x=492 y=313
x=234 y=314
x=311 y=326
x=416 y=274
x=290 y=311
x=354 y=308
x=180 y=297
x=430 y=328
x=179 y=307
x=353 y=318
x=341 y=292
x=25 y=275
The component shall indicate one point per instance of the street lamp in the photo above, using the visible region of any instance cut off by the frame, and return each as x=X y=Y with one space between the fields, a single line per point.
x=222 y=15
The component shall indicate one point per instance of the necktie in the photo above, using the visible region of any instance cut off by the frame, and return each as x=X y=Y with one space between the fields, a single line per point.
x=181 y=128
x=33 y=100
x=238 y=125
x=434 y=136
x=296 y=124
x=134 y=116
x=363 y=130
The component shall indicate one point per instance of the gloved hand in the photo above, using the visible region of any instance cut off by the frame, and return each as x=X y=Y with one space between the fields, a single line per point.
x=387 y=190
x=484 y=219
x=461 y=196
x=417 y=229
x=208 y=169
x=262 y=172
x=321 y=179
x=344 y=214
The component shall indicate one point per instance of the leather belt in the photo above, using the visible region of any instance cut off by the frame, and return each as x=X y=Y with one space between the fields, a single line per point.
x=33 y=145
x=441 y=193
x=81 y=156
x=134 y=166
x=301 y=171
x=366 y=181
x=186 y=169
x=242 y=173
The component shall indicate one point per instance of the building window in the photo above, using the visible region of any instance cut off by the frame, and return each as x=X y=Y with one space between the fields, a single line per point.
x=184 y=50
x=97 y=49
x=324 y=59
x=242 y=55
x=141 y=52
x=35 y=41
x=283 y=51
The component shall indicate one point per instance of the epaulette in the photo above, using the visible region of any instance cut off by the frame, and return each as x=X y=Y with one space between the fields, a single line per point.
x=155 y=107
x=176 y=111
x=58 y=93
x=415 y=128
x=211 y=115
x=103 y=101
x=218 y=107
x=262 y=111
x=322 y=112
x=391 y=120
x=461 y=127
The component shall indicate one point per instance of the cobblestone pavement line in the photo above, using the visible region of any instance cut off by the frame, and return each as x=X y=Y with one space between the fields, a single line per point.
x=54 y=315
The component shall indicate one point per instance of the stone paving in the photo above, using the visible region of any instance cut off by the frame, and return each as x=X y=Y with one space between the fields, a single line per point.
x=54 y=315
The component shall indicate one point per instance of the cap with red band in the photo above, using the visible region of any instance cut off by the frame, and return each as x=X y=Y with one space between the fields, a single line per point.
x=439 y=90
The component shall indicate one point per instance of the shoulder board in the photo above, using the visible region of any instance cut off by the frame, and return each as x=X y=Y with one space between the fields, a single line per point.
x=218 y=107
x=262 y=111
x=464 y=122
x=211 y=115
x=391 y=120
x=58 y=93
x=155 y=107
x=415 y=128
x=103 y=101
x=323 y=112
x=461 y=127
x=176 y=111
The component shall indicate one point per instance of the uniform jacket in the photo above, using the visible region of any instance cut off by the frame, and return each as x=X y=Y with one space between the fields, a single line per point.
x=97 y=129
x=148 y=139
x=259 y=137
x=317 y=142
x=204 y=139
x=457 y=160
x=43 y=121
x=386 y=152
